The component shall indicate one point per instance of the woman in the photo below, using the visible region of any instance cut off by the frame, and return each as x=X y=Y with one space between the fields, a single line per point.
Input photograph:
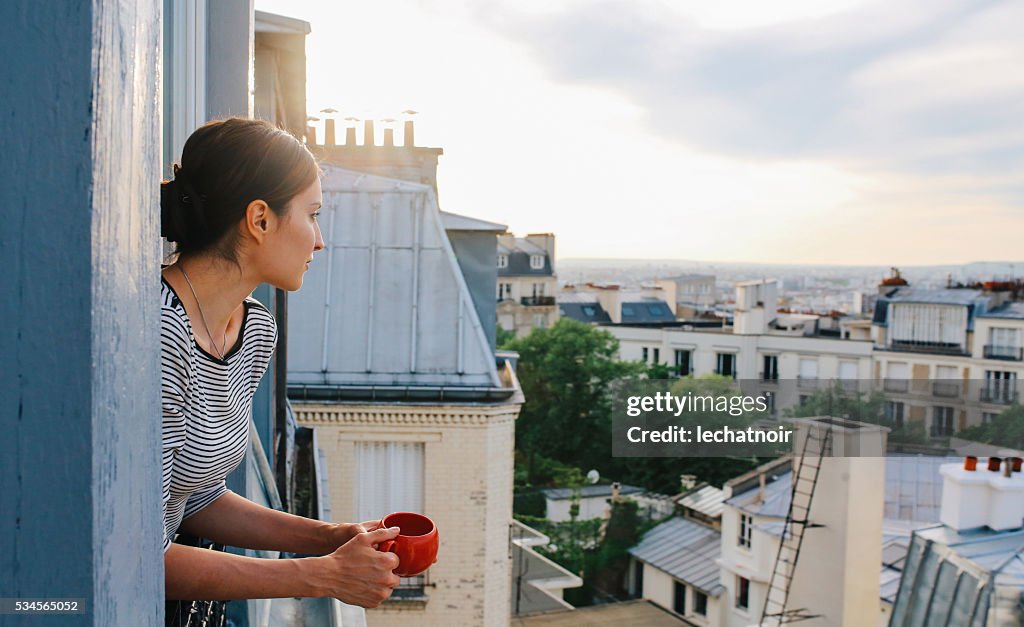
x=242 y=209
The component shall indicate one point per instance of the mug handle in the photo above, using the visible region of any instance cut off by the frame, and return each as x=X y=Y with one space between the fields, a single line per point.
x=386 y=546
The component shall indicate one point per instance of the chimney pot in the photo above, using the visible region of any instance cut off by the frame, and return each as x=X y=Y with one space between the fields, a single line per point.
x=970 y=463
x=389 y=137
x=410 y=138
x=1016 y=463
x=350 y=136
x=368 y=139
x=329 y=139
x=311 y=135
x=993 y=464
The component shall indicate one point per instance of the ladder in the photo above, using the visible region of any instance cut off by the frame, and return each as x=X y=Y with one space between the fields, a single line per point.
x=805 y=479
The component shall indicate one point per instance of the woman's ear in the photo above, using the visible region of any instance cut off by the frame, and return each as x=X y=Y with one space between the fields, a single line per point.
x=258 y=220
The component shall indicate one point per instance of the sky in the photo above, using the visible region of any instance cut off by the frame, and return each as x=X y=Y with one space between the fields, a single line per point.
x=792 y=131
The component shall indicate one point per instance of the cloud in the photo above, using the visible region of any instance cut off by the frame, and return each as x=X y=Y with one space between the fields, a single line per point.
x=873 y=84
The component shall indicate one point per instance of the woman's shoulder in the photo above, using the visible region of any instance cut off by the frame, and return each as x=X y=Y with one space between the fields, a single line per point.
x=173 y=319
x=260 y=320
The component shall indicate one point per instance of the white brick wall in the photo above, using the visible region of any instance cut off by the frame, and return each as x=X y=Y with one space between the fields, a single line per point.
x=467 y=491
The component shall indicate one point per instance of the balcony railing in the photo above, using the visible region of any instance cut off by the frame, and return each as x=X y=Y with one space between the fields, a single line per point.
x=932 y=348
x=1009 y=353
x=771 y=378
x=999 y=394
x=895 y=385
x=807 y=383
x=945 y=389
x=537 y=301
x=941 y=431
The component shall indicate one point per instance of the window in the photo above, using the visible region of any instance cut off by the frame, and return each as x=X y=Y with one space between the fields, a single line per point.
x=638 y=579
x=589 y=311
x=679 y=598
x=627 y=310
x=537 y=262
x=726 y=365
x=769 y=401
x=538 y=290
x=643 y=353
x=894 y=412
x=1003 y=344
x=700 y=603
x=770 y=370
x=504 y=291
x=655 y=310
x=657 y=355
x=942 y=422
x=987 y=417
x=1000 y=387
x=742 y=592
x=502 y=261
x=389 y=478
x=803 y=399
x=540 y=321
x=746 y=528
x=682 y=363
x=808 y=374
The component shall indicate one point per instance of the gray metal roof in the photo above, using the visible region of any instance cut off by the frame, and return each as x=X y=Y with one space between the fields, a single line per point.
x=973 y=577
x=708 y=500
x=913 y=491
x=385 y=303
x=646 y=310
x=584 y=312
x=938 y=297
x=686 y=550
x=1011 y=311
x=589 y=491
x=456 y=222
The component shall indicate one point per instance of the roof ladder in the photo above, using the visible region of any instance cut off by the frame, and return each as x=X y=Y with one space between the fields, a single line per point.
x=805 y=480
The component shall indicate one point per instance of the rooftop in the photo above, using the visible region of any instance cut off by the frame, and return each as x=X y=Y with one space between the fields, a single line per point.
x=456 y=222
x=686 y=550
x=589 y=491
x=1010 y=311
x=606 y=615
x=385 y=305
x=708 y=500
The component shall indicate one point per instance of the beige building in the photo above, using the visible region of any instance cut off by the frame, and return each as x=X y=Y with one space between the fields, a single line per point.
x=689 y=294
x=527 y=282
x=389 y=360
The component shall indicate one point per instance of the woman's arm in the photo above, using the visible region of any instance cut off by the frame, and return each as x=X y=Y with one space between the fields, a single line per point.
x=236 y=521
x=357 y=573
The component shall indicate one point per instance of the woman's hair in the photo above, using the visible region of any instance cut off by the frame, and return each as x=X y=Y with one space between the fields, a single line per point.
x=225 y=165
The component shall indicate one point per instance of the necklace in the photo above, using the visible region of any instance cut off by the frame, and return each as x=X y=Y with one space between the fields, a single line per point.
x=202 y=316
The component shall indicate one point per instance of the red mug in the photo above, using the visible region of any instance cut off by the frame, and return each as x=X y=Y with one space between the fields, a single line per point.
x=416 y=544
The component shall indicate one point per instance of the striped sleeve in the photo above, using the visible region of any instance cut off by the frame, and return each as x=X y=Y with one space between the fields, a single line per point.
x=174 y=369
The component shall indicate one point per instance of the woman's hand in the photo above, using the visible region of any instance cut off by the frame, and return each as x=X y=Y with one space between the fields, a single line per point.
x=357 y=573
x=341 y=533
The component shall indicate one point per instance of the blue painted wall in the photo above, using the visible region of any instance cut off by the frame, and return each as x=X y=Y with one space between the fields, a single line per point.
x=79 y=395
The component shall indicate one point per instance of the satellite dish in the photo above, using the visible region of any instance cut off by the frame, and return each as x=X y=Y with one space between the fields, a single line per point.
x=593 y=476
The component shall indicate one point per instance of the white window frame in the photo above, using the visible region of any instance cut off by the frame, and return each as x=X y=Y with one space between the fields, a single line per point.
x=502 y=261
x=746 y=533
x=536 y=262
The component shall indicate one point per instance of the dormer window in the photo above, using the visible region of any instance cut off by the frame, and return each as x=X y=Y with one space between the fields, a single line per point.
x=502 y=261
x=537 y=262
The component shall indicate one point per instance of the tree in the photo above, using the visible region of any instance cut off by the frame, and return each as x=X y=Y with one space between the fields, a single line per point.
x=503 y=337
x=565 y=372
x=1007 y=429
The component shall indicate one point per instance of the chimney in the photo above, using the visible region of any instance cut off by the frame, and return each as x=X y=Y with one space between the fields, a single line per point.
x=616 y=491
x=989 y=498
x=760 y=488
x=368 y=139
x=350 y=131
x=410 y=136
x=389 y=133
x=329 y=138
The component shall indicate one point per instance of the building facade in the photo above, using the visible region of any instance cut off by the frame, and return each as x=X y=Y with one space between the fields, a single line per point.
x=527 y=282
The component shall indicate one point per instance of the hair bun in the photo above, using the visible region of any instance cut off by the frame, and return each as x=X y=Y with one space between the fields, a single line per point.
x=181 y=211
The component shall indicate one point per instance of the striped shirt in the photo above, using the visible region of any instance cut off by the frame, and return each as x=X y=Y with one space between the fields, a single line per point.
x=207 y=403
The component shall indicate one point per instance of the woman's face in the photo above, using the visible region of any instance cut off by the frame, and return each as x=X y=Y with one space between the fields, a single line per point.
x=294 y=239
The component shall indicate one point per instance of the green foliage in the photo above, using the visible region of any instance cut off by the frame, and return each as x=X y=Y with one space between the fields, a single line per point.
x=1007 y=429
x=504 y=337
x=565 y=372
x=660 y=371
x=605 y=568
